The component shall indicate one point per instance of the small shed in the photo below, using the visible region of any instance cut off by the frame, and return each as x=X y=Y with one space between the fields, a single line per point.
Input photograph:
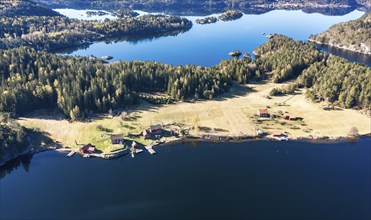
x=155 y=129
x=117 y=138
x=146 y=134
x=288 y=116
x=276 y=134
x=87 y=149
x=263 y=113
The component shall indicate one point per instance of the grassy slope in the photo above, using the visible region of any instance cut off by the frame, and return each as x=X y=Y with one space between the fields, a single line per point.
x=230 y=115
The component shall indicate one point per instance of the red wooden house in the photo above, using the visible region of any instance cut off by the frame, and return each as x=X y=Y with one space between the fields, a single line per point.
x=263 y=113
x=87 y=149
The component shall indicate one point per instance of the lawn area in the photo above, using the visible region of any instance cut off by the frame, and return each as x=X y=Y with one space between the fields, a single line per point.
x=232 y=114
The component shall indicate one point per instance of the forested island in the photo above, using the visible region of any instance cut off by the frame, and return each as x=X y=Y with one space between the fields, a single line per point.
x=353 y=35
x=50 y=33
x=230 y=15
x=207 y=20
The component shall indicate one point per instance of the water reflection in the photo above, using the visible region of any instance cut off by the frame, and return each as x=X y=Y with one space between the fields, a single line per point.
x=133 y=39
x=9 y=167
x=349 y=55
x=207 y=45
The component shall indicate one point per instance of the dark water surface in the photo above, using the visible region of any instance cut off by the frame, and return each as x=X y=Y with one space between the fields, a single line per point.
x=258 y=180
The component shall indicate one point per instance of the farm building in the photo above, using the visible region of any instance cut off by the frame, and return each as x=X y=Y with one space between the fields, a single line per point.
x=288 y=116
x=263 y=113
x=146 y=134
x=87 y=149
x=117 y=138
x=155 y=129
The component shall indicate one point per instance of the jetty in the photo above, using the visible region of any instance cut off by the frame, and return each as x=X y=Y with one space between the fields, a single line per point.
x=150 y=150
x=70 y=154
x=137 y=151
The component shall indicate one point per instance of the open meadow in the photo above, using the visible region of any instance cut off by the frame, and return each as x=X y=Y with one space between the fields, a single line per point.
x=233 y=114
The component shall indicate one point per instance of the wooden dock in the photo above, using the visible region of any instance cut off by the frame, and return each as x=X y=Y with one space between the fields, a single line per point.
x=137 y=151
x=150 y=150
x=70 y=154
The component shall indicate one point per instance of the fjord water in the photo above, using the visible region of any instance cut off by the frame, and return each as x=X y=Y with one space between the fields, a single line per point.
x=208 y=44
x=251 y=180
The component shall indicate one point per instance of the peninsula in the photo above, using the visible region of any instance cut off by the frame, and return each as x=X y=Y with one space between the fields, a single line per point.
x=229 y=101
x=352 y=35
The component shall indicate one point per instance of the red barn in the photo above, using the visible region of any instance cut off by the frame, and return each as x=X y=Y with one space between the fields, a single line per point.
x=263 y=113
x=288 y=116
x=155 y=129
x=87 y=149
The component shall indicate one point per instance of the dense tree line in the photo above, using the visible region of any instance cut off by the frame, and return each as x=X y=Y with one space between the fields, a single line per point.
x=55 y=32
x=285 y=58
x=12 y=136
x=339 y=80
x=79 y=86
x=327 y=77
x=352 y=35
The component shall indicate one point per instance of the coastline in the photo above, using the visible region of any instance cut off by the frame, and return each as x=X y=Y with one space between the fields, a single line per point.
x=32 y=150
x=340 y=47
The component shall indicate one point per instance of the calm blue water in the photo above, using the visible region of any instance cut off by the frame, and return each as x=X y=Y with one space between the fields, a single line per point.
x=252 y=180
x=208 y=44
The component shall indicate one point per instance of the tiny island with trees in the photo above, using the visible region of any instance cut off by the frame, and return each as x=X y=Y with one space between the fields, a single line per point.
x=96 y=101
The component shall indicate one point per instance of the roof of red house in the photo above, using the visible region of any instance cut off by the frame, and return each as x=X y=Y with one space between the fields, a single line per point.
x=91 y=149
x=263 y=111
x=87 y=147
x=276 y=133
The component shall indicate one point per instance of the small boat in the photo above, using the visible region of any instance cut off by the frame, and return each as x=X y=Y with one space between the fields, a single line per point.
x=132 y=154
x=270 y=36
x=262 y=33
x=282 y=138
x=107 y=57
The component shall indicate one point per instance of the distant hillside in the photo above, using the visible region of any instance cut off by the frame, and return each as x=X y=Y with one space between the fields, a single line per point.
x=12 y=8
x=353 y=35
x=216 y=6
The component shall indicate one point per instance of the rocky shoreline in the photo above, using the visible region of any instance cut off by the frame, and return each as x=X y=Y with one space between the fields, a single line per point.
x=356 y=50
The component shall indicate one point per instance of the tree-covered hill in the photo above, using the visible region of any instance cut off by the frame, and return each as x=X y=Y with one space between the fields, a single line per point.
x=330 y=77
x=353 y=35
x=12 y=8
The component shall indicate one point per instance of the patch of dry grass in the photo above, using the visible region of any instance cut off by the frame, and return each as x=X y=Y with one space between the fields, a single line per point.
x=232 y=114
